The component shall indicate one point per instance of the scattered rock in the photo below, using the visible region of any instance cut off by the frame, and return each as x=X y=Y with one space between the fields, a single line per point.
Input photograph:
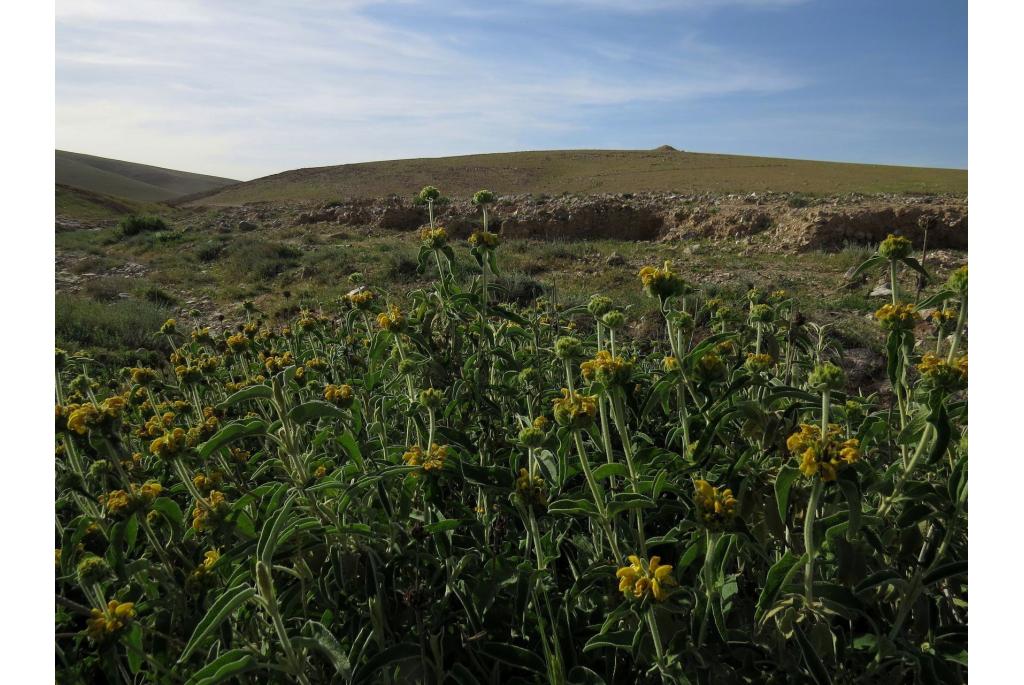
x=615 y=259
x=246 y=226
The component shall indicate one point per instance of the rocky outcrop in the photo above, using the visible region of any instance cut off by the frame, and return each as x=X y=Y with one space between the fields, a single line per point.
x=788 y=222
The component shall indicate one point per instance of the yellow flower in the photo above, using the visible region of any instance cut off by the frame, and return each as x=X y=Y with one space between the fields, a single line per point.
x=83 y=418
x=944 y=375
x=340 y=395
x=238 y=343
x=897 y=317
x=824 y=457
x=413 y=456
x=207 y=518
x=662 y=283
x=434 y=238
x=758 y=363
x=606 y=368
x=716 y=508
x=392 y=320
x=169 y=444
x=485 y=239
x=435 y=457
x=104 y=624
x=642 y=578
x=431 y=459
x=359 y=298
x=670 y=364
x=531 y=490
x=575 y=410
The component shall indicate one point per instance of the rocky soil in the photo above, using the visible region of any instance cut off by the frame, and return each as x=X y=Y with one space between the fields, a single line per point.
x=789 y=222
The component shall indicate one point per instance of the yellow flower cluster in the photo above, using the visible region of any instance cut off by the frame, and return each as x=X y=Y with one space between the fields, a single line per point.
x=430 y=460
x=105 y=624
x=238 y=343
x=119 y=502
x=942 y=374
x=894 y=247
x=86 y=417
x=758 y=363
x=340 y=395
x=360 y=298
x=142 y=375
x=641 y=578
x=207 y=518
x=606 y=369
x=531 y=490
x=716 y=508
x=662 y=283
x=391 y=320
x=434 y=238
x=157 y=425
x=574 y=409
x=277 y=363
x=825 y=457
x=170 y=444
x=485 y=240
x=900 y=317
x=207 y=483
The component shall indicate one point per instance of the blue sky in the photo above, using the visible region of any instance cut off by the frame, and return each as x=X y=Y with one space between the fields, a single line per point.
x=245 y=89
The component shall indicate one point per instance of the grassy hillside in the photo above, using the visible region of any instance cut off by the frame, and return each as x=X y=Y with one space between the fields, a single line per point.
x=86 y=205
x=590 y=171
x=129 y=180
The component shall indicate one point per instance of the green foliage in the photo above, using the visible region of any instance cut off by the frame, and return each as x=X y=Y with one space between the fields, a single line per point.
x=481 y=485
x=141 y=223
x=84 y=323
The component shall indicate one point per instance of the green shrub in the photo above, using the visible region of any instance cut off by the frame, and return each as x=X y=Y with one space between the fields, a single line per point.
x=141 y=223
x=260 y=261
x=84 y=323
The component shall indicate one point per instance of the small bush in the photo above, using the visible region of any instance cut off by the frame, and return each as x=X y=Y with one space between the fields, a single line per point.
x=210 y=251
x=83 y=323
x=402 y=267
x=141 y=223
x=261 y=261
x=105 y=288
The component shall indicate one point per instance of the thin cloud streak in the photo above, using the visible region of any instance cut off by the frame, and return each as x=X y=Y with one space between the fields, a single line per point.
x=278 y=86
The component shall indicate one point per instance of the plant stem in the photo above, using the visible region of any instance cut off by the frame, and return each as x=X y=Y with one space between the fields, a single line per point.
x=812 y=511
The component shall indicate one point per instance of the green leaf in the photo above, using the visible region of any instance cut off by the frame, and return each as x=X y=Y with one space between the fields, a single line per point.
x=223 y=607
x=253 y=392
x=851 y=491
x=314 y=410
x=442 y=526
x=513 y=655
x=783 y=484
x=779 y=575
x=622 y=639
x=947 y=570
x=232 y=431
x=225 y=666
x=374 y=667
x=572 y=507
x=628 y=501
x=868 y=263
x=133 y=650
x=818 y=672
x=271 y=533
x=609 y=470
x=916 y=266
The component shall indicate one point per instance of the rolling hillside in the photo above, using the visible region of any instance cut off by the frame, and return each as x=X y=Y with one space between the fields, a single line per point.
x=588 y=171
x=129 y=180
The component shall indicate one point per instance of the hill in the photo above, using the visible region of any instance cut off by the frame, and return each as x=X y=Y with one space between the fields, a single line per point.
x=589 y=171
x=129 y=180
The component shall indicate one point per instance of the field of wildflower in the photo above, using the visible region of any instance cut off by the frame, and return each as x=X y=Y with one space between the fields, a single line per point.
x=460 y=491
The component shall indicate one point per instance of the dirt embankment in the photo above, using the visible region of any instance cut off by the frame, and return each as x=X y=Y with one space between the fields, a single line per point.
x=791 y=222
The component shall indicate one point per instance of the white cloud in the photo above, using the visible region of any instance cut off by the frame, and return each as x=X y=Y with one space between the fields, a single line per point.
x=246 y=89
